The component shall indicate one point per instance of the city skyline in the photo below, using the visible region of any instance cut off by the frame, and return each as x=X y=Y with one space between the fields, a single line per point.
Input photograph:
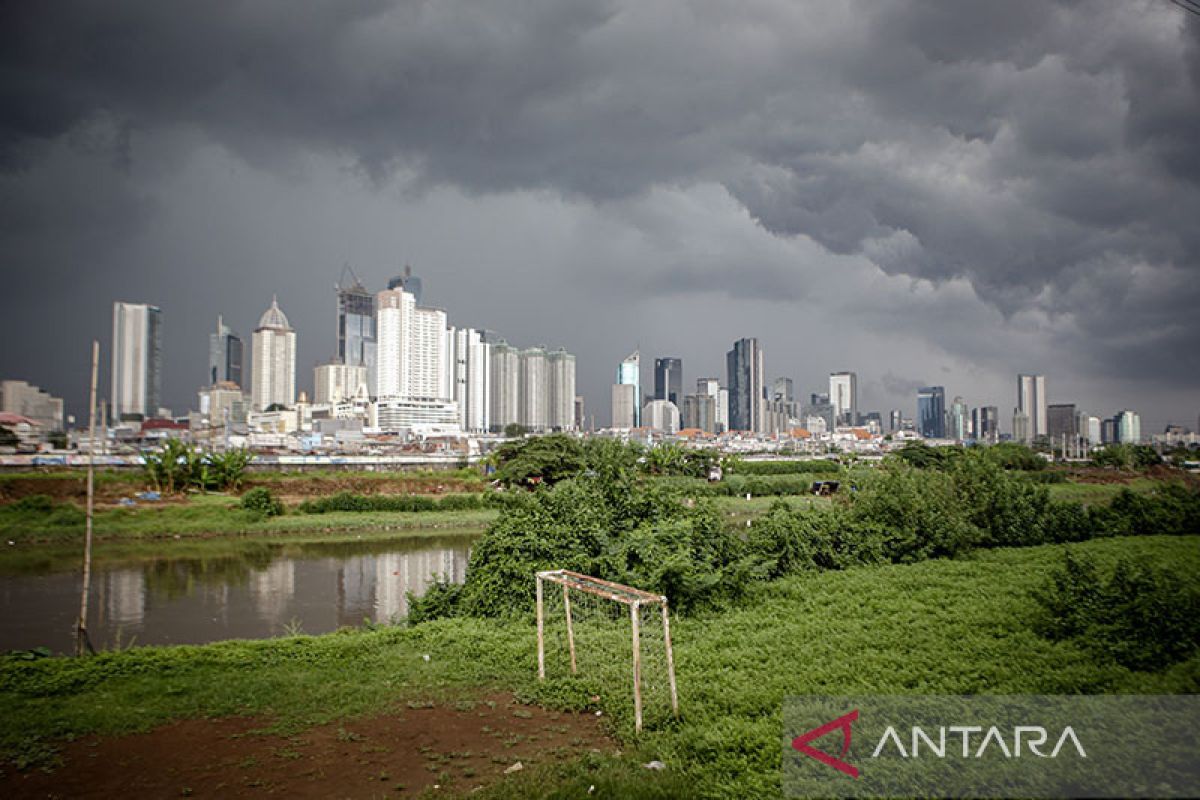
x=940 y=229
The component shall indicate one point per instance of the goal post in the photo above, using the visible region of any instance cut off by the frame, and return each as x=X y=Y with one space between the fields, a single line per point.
x=636 y=600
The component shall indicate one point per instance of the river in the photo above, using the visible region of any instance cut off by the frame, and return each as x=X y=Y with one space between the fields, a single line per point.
x=192 y=593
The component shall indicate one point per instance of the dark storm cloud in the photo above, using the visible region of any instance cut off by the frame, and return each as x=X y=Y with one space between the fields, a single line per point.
x=1043 y=152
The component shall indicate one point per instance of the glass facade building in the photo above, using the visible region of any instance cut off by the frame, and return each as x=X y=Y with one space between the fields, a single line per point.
x=668 y=379
x=356 y=335
x=931 y=412
x=629 y=373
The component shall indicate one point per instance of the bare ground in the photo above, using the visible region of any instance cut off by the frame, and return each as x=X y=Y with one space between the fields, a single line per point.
x=456 y=748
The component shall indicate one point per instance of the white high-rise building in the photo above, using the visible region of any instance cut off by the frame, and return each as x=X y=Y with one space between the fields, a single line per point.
x=624 y=404
x=1129 y=427
x=336 y=382
x=471 y=374
x=394 y=310
x=505 y=386
x=534 y=414
x=661 y=415
x=413 y=358
x=1031 y=401
x=136 y=361
x=274 y=370
x=560 y=379
x=843 y=395
x=711 y=387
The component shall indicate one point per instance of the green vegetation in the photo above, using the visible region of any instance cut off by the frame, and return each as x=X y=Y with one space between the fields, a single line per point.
x=346 y=501
x=1142 y=616
x=262 y=501
x=180 y=467
x=939 y=626
x=818 y=467
x=1125 y=456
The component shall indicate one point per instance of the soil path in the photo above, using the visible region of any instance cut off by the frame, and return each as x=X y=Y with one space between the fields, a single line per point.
x=456 y=747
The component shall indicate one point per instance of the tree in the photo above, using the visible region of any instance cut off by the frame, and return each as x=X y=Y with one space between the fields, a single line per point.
x=540 y=459
x=514 y=430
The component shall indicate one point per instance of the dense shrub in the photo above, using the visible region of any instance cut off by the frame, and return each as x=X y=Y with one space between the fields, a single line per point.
x=1143 y=617
x=822 y=467
x=538 y=459
x=1172 y=509
x=261 y=501
x=917 y=511
x=347 y=501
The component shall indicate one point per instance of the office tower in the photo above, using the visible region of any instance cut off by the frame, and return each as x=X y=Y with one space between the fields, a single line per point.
x=985 y=424
x=668 y=379
x=747 y=397
x=580 y=422
x=1127 y=426
x=274 y=368
x=1031 y=400
x=534 y=392
x=782 y=390
x=137 y=361
x=336 y=382
x=26 y=400
x=560 y=368
x=356 y=344
x=407 y=282
x=1089 y=427
x=958 y=428
x=1021 y=426
x=224 y=355
x=1060 y=422
x=931 y=412
x=629 y=373
x=470 y=373
x=1108 y=430
x=843 y=393
x=624 y=405
x=699 y=411
x=411 y=359
x=895 y=419
x=711 y=387
x=506 y=385
x=662 y=416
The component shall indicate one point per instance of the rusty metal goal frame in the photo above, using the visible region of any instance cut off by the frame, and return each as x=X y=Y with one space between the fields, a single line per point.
x=634 y=598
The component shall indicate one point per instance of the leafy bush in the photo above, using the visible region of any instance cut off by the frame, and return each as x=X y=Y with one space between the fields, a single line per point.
x=1143 y=617
x=918 y=512
x=261 y=501
x=440 y=600
x=822 y=467
x=180 y=467
x=347 y=501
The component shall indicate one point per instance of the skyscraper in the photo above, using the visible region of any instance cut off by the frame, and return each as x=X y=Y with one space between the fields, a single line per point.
x=985 y=424
x=411 y=357
x=470 y=375
x=668 y=379
x=274 y=367
x=624 y=405
x=711 y=387
x=1061 y=420
x=356 y=341
x=506 y=386
x=560 y=379
x=1031 y=401
x=783 y=390
x=843 y=394
x=931 y=412
x=534 y=391
x=959 y=421
x=224 y=355
x=137 y=361
x=747 y=394
x=408 y=282
x=629 y=373
x=1127 y=426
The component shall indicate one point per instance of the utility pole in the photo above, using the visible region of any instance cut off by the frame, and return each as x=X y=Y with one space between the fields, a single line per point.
x=81 y=636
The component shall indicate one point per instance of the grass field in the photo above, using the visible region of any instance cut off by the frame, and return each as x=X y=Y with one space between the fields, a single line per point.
x=1093 y=493
x=939 y=626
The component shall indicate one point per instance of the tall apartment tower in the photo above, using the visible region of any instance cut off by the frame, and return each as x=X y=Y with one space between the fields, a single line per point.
x=534 y=415
x=274 y=367
x=224 y=355
x=560 y=379
x=471 y=377
x=137 y=361
x=629 y=373
x=711 y=387
x=356 y=339
x=747 y=398
x=410 y=354
x=1031 y=401
x=843 y=394
x=668 y=379
x=505 y=385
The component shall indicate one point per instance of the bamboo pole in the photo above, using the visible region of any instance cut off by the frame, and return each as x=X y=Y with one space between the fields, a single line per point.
x=540 y=634
x=670 y=657
x=570 y=627
x=634 y=617
x=81 y=628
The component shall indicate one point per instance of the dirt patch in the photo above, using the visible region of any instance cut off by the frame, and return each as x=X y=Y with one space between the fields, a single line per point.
x=67 y=488
x=456 y=747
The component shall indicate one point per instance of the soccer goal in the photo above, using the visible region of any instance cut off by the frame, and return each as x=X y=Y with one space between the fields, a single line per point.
x=593 y=618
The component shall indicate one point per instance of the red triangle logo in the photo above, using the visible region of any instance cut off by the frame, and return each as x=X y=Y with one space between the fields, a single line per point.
x=800 y=743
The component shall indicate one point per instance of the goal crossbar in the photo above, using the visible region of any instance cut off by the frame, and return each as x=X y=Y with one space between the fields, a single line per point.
x=630 y=596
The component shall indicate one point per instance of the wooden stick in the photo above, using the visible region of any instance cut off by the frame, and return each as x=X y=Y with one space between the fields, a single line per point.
x=634 y=616
x=670 y=657
x=81 y=628
x=541 y=634
x=570 y=627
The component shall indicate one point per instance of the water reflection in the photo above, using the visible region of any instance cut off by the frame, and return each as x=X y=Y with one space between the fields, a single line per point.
x=259 y=590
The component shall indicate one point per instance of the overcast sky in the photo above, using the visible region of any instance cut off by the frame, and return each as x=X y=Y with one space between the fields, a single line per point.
x=922 y=192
